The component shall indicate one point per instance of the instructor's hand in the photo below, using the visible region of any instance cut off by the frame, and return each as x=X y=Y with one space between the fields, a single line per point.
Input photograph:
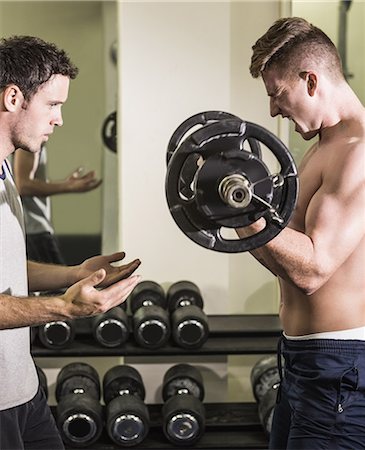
x=84 y=299
x=110 y=263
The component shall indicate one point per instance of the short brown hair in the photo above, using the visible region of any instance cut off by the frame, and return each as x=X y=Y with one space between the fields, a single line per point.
x=28 y=62
x=292 y=42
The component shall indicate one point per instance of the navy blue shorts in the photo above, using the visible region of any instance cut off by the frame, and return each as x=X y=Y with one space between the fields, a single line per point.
x=29 y=426
x=321 y=399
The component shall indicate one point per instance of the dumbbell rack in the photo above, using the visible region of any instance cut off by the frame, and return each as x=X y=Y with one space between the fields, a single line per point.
x=236 y=425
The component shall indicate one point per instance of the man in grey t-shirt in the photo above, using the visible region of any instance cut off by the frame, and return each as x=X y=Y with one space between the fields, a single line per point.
x=31 y=97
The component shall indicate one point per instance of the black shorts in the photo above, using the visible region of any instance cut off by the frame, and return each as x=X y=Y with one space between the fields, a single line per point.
x=29 y=426
x=44 y=247
x=321 y=401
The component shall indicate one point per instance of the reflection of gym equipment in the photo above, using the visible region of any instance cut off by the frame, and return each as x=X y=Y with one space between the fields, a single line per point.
x=127 y=417
x=79 y=413
x=342 y=35
x=151 y=322
x=189 y=323
x=114 y=52
x=265 y=381
x=217 y=179
x=57 y=334
x=183 y=411
x=111 y=329
x=109 y=132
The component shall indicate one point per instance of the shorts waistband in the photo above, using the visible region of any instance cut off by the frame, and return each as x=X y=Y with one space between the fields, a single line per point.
x=344 y=346
x=353 y=333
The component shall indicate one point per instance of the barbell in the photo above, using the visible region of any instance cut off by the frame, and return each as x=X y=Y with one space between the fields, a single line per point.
x=217 y=179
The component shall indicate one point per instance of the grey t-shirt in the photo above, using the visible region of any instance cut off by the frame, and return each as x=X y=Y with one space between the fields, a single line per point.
x=18 y=376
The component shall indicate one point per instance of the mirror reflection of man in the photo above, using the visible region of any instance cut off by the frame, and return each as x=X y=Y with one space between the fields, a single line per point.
x=35 y=189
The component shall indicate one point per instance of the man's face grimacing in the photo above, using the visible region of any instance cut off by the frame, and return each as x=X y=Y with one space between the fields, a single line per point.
x=293 y=100
x=38 y=116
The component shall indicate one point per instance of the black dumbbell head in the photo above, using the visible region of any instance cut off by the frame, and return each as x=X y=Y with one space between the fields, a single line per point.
x=264 y=375
x=80 y=420
x=57 y=334
x=151 y=327
x=183 y=419
x=182 y=293
x=122 y=380
x=78 y=377
x=266 y=408
x=127 y=420
x=111 y=329
x=190 y=327
x=183 y=378
x=146 y=292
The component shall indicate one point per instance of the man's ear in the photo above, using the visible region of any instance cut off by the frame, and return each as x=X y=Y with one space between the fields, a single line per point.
x=12 y=98
x=311 y=83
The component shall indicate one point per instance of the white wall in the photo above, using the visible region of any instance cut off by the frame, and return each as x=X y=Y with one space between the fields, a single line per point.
x=177 y=59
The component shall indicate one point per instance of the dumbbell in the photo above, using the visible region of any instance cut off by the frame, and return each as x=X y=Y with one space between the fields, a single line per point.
x=265 y=381
x=183 y=411
x=42 y=380
x=111 y=329
x=189 y=323
x=57 y=334
x=127 y=416
x=151 y=322
x=79 y=413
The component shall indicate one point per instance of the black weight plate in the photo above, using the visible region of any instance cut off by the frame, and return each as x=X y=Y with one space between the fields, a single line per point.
x=207 y=142
x=202 y=119
x=192 y=163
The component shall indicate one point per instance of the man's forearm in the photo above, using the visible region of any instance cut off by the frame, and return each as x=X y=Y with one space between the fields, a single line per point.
x=47 y=277
x=16 y=312
x=290 y=256
x=40 y=188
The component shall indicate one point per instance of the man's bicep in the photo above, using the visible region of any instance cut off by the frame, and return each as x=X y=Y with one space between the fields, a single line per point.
x=335 y=221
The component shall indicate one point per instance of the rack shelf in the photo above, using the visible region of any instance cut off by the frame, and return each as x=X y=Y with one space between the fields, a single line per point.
x=233 y=335
x=233 y=426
